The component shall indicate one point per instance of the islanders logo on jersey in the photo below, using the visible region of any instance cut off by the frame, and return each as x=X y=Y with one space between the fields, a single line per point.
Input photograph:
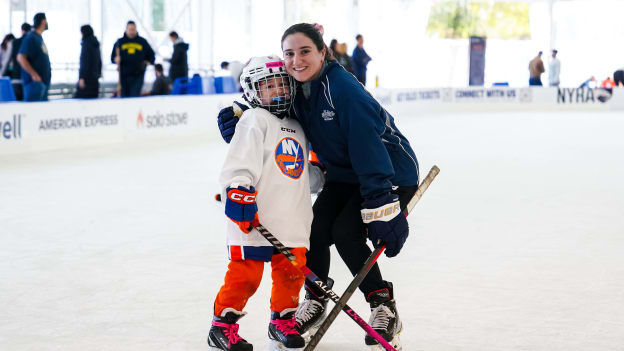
x=289 y=157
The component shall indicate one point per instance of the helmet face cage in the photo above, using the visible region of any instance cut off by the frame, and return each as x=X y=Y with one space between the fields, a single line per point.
x=266 y=76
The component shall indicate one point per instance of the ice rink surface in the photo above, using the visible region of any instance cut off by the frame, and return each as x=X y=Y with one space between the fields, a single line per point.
x=517 y=245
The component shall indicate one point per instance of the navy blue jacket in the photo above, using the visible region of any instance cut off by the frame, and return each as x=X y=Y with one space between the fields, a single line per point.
x=354 y=137
x=360 y=60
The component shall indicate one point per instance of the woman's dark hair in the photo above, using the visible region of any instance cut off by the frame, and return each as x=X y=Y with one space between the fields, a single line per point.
x=174 y=34
x=332 y=44
x=86 y=31
x=311 y=32
x=6 y=40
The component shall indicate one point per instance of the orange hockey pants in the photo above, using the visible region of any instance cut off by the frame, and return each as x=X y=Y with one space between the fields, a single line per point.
x=243 y=278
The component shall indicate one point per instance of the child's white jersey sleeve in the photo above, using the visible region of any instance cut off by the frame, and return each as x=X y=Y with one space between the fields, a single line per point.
x=271 y=155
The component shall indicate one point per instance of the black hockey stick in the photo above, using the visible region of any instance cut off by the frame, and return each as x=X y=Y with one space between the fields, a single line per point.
x=323 y=286
x=342 y=303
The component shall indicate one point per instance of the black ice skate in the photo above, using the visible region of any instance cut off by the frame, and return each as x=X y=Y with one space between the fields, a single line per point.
x=223 y=334
x=384 y=318
x=283 y=331
x=312 y=311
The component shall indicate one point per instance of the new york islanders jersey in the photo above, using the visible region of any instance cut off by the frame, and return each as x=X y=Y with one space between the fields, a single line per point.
x=271 y=154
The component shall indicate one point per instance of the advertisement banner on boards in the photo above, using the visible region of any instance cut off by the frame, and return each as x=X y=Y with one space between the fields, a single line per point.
x=26 y=127
x=584 y=95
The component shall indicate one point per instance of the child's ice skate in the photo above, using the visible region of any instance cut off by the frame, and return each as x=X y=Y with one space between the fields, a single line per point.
x=283 y=332
x=223 y=334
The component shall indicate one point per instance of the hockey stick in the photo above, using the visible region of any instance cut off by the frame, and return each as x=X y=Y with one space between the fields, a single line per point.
x=342 y=303
x=323 y=286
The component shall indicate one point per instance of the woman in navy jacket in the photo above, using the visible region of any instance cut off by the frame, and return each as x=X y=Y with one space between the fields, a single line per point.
x=371 y=173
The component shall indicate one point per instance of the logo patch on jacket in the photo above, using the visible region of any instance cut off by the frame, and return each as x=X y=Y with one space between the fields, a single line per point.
x=328 y=115
x=131 y=48
x=289 y=157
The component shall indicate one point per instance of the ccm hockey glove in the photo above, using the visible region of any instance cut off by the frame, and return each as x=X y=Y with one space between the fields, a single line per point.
x=227 y=121
x=386 y=223
x=241 y=207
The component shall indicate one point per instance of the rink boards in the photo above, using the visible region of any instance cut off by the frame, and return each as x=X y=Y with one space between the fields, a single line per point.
x=27 y=127
x=503 y=99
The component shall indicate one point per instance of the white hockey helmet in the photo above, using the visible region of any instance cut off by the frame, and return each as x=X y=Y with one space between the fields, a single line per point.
x=257 y=71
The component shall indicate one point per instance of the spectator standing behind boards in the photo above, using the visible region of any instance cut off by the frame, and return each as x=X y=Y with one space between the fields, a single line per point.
x=224 y=67
x=554 y=69
x=90 y=65
x=135 y=54
x=235 y=69
x=333 y=44
x=360 y=60
x=162 y=84
x=618 y=77
x=343 y=58
x=608 y=83
x=15 y=67
x=179 y=58
x=590 y=83
x=5 y=53
x=340 y=53
x=536 y=68
x=35 y=62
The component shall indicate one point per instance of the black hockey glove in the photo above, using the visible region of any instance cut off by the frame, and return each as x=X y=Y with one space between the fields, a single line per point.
x=227 y=121
x=386 y=223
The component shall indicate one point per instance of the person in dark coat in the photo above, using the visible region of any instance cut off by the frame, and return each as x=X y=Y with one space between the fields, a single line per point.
x=90 y=65
x=133 y=54
x=179 y=59
x=342 y=57
x=16 y=68
x=618 y=77
x=333 y=44
x=360 y=60
x=340 y=53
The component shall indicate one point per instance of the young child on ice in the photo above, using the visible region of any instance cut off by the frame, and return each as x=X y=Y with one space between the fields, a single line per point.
x=266 y=177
